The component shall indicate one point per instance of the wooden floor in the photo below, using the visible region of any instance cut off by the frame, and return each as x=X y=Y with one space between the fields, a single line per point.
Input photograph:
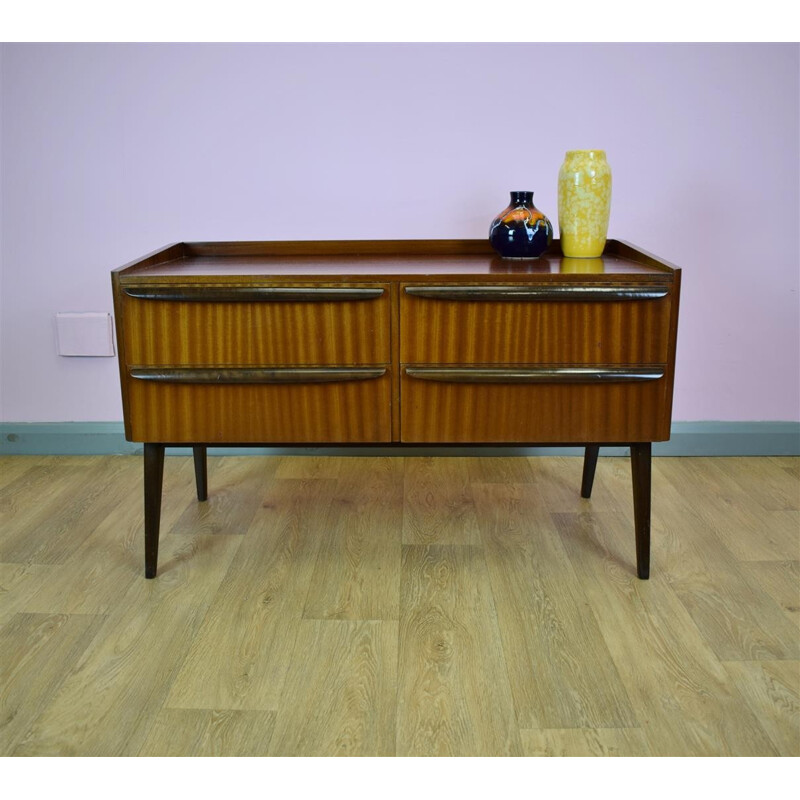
x=399 y=606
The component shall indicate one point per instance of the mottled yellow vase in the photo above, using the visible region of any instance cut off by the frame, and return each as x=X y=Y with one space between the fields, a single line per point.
x=584 y=203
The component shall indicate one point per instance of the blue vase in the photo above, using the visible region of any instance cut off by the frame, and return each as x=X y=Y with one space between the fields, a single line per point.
x=521 y=230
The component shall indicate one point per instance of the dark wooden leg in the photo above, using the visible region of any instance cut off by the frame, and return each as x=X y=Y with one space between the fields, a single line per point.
x=200 y=471
x=153 y=479
x=641 y=472
x=589 y=466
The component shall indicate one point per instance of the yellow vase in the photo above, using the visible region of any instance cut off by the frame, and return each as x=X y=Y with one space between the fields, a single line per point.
x=584 y=203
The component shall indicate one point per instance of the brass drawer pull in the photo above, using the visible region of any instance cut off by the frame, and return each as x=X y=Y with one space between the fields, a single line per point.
x=560 y=292
x=536 y=375
x=222 y=375
x=244 y=294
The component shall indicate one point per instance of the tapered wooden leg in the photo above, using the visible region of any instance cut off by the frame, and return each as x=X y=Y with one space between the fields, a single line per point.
x=641 y=472
x=153 y=479
x=201 y=471
x=589 y=466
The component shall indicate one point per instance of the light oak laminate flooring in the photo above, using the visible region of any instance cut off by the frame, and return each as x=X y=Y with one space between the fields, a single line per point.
x=409 y=606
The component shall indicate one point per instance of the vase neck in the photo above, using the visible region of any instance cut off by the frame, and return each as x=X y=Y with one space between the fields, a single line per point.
x=521 y=198
x=594 y=155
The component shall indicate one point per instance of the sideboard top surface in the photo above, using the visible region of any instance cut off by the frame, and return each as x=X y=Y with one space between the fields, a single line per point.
x=369 y=260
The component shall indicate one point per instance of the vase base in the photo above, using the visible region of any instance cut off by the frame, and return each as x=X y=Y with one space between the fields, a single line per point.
x=520 y=258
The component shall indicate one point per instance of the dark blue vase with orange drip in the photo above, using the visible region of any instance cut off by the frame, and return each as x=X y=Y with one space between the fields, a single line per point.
x=521 y=230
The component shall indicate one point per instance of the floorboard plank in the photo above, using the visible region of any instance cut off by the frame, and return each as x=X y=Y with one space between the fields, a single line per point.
x=35 y=652
x=12 y=468
x=235 y=491
x=737 y=517
x=582 y=742
x=681 y=694
x=109 y=700
x=101 y=569
x=341 y=702
x=438 y=505
x=737 y=618
x=453 y=692
x=561 y=673
x=20 y=582
x=781 y=581
x=242 y=653
x=357 y=571
x=771 y=690
x=181 y=732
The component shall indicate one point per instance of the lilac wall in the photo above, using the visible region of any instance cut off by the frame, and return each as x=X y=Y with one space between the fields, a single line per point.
x=110 y=151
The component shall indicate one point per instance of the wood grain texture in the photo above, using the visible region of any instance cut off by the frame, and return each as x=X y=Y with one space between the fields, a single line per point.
x=100 y=570
x=771 y=690
x=347 y=412
x=179 y=732
x=568 y=332
x=780 y=580
x=309 y=467
x=107 y=700
x=670 y=672
x=51 y=511
x=789 y=466
x=554 y=478
x=582 y=742
x=435 y=412
x=92 y=656
x=341 y=701
x=239 y=486
x=14 y=467
x=561 y=673
x=357 y=573
x=489 y=469
x=452 y=681
x=36 y=651
x=22 y=498
x=752 y=514
x=437 y=503
x=159 y=332
x=394 y=330
x=19 y=583
x=243 y=651
x=729 y=610
x=369 y=257
x=772 y=490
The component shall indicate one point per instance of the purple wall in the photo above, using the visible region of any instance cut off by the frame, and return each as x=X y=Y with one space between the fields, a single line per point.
x=110 y=151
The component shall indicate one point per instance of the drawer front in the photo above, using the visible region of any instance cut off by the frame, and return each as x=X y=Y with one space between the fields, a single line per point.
x=236 y=407
x=246 y=325
x=577 y=407
x=534 y=325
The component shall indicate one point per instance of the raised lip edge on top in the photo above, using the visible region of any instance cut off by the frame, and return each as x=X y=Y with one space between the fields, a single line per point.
x=368 y=247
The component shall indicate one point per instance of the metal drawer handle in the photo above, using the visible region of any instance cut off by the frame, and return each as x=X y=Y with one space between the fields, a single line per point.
x=222 y=375
x=536 y=375
x=243 y=294
x=594 y=293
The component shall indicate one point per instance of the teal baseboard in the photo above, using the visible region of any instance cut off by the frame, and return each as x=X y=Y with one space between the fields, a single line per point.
x=688 y=439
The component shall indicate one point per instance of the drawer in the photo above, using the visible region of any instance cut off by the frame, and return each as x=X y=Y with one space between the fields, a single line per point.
x=250 y=325
x=524 y=324
x=238 y=406
x=531 y=405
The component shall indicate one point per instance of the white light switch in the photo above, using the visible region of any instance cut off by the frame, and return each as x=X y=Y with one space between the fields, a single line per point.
x=87 y=333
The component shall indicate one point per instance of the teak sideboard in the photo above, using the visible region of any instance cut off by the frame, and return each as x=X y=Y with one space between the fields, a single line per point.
x=435 y=342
